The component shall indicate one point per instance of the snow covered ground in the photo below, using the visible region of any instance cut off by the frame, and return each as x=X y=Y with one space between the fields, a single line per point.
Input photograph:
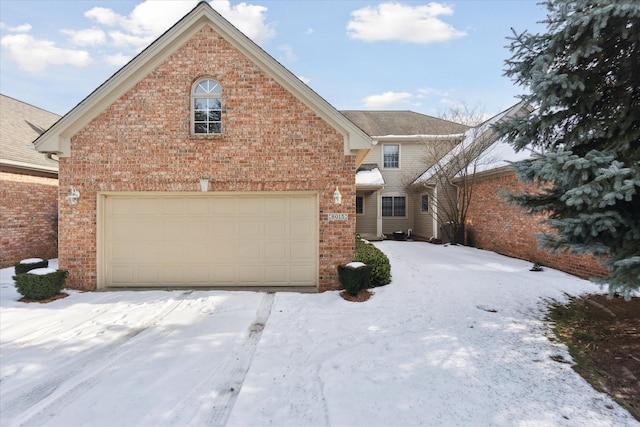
x=457 y=339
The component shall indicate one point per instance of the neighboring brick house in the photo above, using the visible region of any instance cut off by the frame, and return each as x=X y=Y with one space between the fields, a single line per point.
x=28 y=185
x=493 y=224
x=204 y=102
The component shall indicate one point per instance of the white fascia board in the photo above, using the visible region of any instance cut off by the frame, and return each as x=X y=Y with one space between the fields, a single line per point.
x=449 y=137
x=28 y=166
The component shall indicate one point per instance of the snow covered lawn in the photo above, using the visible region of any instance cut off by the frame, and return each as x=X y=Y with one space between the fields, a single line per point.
x=457 y=339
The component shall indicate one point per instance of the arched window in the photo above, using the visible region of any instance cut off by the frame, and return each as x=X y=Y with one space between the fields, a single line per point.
x=206 y=107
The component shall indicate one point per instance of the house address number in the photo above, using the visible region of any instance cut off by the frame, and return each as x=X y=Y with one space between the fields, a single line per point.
x=338 y=216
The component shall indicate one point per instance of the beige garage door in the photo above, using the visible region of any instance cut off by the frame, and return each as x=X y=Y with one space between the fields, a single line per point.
x=209 y=239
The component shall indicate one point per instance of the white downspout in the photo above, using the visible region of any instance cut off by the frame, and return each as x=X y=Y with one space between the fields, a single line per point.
x=435 y=212
x=379 y=213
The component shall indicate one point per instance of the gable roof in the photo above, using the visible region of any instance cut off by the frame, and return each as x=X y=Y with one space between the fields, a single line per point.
x=20 y=125
x=477 y=140
x=401 y=123
x=58 y=138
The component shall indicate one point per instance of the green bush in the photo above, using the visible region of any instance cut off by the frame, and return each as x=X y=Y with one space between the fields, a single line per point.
x=354 y=279
x=23 y=268
x=370 y=255
x=39 y=287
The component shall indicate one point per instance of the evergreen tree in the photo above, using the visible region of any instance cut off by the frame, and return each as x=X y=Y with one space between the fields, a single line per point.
x=583 y=79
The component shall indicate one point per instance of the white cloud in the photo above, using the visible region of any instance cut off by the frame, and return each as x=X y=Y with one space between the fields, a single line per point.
x=305 y=80
x=118 y=59
x=287 y=55
x=34 y=55
x=150 y=19
x=248 y=18
x=88 y=37
x=387 y=99
x=121 y=37
x=146 y=22
x=397 y=21
x=24 y=28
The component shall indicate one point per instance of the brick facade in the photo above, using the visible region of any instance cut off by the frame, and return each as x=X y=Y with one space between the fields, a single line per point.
x=28 y=217
x=142 y=142
x=495 y=225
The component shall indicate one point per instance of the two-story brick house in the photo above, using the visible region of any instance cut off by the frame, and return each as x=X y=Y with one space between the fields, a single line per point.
x=204 y=162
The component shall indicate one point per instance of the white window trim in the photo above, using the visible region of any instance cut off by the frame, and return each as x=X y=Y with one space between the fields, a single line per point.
x=363 y=209
x=192 y=111
x=406 y=205
x=399 y=156
x=428 y=212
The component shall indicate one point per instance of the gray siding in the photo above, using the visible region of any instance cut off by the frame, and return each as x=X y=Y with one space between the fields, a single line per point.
x=366 y=224
x=423 y=221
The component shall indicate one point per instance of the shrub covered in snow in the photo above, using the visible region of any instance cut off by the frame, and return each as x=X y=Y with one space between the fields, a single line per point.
x=41 y=283
x=30 y=264
x=354 y=277
x=374 y=257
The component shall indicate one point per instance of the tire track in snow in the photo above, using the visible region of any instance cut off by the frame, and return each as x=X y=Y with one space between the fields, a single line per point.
x=221 y=388
x=36 y=401
x=43 y=335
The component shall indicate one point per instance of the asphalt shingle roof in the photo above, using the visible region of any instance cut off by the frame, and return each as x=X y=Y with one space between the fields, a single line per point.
x=20 y=125
x=384 y=123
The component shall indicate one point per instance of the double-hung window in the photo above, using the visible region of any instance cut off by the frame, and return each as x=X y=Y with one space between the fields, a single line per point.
x=359 y=205
x=391 y=156
x=206 y=107
x=394 y=206
x=425 y=203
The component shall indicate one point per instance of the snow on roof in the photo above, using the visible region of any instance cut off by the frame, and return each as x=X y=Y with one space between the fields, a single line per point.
x=502 y=154
x=369 y=177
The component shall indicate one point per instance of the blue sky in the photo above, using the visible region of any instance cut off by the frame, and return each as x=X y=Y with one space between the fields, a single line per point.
x=423 y=56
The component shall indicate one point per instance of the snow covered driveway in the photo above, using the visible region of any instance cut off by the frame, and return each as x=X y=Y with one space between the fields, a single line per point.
x=457 y=339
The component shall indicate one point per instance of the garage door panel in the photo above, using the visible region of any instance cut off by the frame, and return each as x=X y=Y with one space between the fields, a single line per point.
x=302 y=205
x=171 y=253
x=147 y=230
x=146 y=252
x=198 y=251
x=121 y=206
x=302 y=251
x=250 y=228
x=122 y=252
x=173 y=229
x=276 y=250
x=275 y=228
x=147 y=275
x=276 y=206
x=247 y=239
x=249 y=251
x=171 y=206
x=123 y=230
x=224 y=206
x=200 y=207
x=224 y=228
x=302 y=275
x=250 y=206
x=301 y=227
x=251 y=274
x=274 y=274
x=122 y=274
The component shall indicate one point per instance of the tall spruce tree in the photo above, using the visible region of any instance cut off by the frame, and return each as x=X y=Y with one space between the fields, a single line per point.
x=583 y=78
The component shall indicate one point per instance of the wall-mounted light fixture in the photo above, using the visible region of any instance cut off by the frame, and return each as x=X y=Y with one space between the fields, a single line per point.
x=73 y=196
x=204 y=184
x=337 y=197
